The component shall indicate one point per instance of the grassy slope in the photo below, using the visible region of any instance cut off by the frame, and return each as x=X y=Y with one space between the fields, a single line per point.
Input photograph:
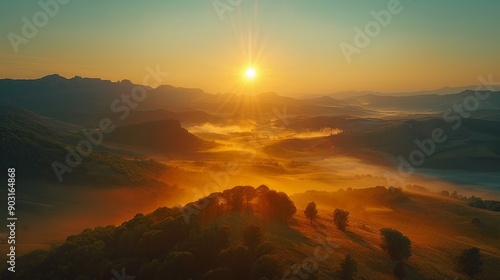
x=438 y=228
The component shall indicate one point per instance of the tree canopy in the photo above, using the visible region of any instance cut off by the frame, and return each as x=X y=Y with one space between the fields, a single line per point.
x=397 y=245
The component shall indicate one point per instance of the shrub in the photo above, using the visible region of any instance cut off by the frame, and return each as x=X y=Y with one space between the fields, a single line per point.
x=311 y=212
x=397 y=245
x=470 y=261
x=341 y=218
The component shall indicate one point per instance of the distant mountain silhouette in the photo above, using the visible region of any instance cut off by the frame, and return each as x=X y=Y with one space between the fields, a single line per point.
x=428 y=102
x=82 y=99
x=86 y=100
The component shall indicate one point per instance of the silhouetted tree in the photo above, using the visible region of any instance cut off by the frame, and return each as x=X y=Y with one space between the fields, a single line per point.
x=496 y=208
x=249 y=193
x=445 y=193
x=278 y=206
x=252 y=237
x=397 y=245
x=212 y=207
x=234 y=198
x=311 y=212
x=238 y=196
x=470 y=261
x=399 y=271
x=341 y=218
x=262 y=189
x=348 y=268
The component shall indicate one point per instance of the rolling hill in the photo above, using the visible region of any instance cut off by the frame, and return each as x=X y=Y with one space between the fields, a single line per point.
x=166 y=136
x=31 y=147
x=473 y=146
x=215 y=242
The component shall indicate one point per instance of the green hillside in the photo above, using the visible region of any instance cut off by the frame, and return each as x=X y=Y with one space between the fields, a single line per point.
x=257 y=233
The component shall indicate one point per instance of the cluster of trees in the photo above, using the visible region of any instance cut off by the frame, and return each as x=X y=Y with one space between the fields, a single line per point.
x=472 y=200
x=262 y=200
x=160 y=245
x=375 y=196
x=491 y=205
x=340 y=216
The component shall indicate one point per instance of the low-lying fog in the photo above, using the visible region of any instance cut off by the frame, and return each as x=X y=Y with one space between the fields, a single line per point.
x=239 y=160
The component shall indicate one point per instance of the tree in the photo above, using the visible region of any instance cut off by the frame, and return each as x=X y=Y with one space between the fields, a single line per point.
x=252 y=237
x=341 y=218
x=445 y=193
x=278 y=205
x=311 y=212
x=397 y=245
x=234 y=198
x=470 y=261
x=348 y=267
x=399 y=271
x=239 y=196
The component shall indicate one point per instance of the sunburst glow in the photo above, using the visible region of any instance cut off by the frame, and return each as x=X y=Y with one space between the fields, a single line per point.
x=250 y=73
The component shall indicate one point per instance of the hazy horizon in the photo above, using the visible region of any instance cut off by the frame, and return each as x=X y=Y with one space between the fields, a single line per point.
x=338 y=94
x=202 y=45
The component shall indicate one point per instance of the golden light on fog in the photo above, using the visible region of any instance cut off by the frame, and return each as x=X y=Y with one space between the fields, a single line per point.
x=250 y=73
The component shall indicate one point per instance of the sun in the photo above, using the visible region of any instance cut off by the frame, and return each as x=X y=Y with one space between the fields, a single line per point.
x=250 y=73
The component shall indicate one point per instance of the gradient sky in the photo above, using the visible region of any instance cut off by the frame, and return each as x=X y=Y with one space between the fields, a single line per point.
x=294 y=44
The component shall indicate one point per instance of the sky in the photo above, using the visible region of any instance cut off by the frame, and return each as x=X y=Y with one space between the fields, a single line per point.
x=296 y=47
